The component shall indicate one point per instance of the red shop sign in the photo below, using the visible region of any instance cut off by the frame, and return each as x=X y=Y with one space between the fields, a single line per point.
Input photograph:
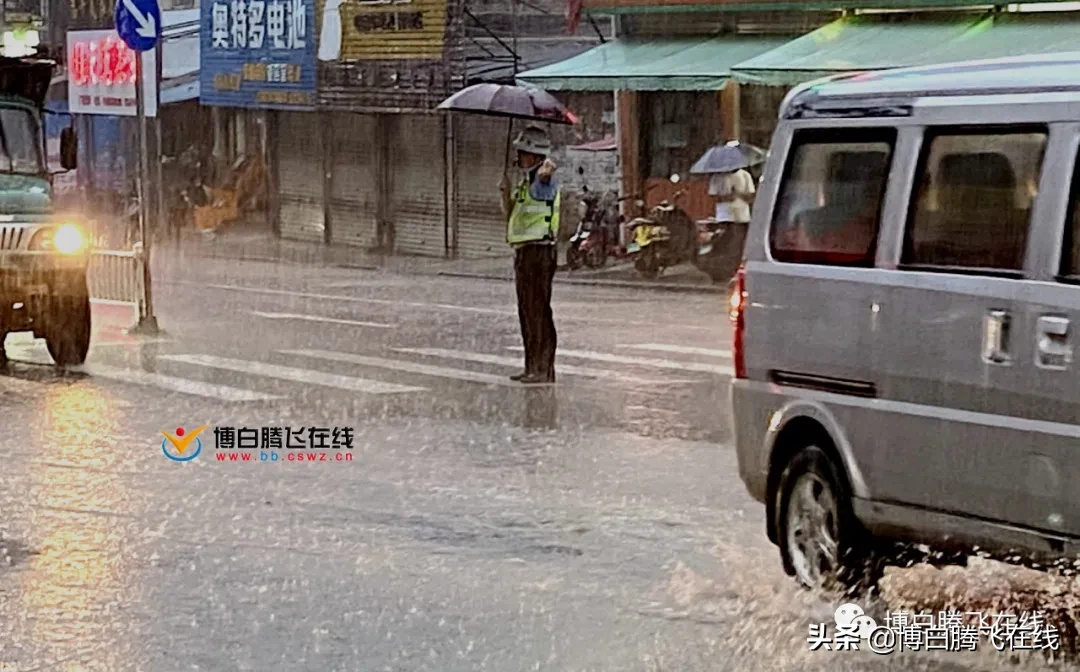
x=106 y=61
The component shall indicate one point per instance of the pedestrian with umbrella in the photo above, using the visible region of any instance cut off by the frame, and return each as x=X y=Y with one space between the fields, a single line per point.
x=733 y=188
x=531 y=207
x=729 y=182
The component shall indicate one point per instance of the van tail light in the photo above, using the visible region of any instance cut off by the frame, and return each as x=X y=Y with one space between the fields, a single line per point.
x=737 y=313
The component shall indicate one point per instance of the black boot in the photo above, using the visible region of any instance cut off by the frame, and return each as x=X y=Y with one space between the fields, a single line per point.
x=538 y=379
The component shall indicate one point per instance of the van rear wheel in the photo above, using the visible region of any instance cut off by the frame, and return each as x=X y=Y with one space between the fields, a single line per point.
x=821 y=542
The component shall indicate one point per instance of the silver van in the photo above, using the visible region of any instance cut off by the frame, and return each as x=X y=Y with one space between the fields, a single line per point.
x=906 y=316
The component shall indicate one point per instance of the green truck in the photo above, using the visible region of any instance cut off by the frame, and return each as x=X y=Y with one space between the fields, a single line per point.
x=43 y=259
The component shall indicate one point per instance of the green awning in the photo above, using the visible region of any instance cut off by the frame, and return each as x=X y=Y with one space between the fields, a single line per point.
x=672 y=64
x=880 y=42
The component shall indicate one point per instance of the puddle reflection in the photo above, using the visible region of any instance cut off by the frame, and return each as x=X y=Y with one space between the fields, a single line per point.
x=78 y=579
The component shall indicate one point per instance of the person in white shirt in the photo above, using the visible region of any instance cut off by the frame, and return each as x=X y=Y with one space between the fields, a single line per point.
x=734 y=192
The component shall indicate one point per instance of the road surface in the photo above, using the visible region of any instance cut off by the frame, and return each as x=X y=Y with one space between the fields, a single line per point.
x=476 y=525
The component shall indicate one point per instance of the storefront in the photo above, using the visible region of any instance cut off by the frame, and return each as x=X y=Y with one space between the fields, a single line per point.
x=99 y=89
x=384 y=68
x=259 y=75
x=675 y=98
x=355 y=182
x=480 y=146
x=297 y=160
x=417 y=194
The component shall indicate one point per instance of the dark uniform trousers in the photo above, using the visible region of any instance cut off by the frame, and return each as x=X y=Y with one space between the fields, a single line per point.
x=534 y=271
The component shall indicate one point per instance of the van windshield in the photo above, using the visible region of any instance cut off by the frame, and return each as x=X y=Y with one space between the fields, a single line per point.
x=20 y=151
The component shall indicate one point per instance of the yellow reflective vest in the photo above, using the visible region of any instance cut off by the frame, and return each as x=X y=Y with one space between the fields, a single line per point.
x=532 y=220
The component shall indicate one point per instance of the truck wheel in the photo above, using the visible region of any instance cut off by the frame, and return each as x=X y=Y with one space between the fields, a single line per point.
x=821 y=542
x=67 y=328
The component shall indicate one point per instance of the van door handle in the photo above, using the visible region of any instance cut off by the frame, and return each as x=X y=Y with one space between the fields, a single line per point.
x=996 y=337
x=1052 y=347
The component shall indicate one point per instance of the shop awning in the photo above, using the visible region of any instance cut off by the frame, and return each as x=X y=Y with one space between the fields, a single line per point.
x=879 y=42
x=673 y=64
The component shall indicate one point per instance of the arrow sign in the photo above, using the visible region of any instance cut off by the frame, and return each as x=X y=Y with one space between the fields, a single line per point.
x=138 y=22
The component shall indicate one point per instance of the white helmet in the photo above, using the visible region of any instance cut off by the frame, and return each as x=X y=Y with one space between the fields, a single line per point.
x=533 y=140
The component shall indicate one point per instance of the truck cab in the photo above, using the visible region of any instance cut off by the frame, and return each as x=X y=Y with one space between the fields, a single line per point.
x=43 y=259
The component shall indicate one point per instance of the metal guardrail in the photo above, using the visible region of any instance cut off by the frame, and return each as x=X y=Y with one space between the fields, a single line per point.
x=117 y=276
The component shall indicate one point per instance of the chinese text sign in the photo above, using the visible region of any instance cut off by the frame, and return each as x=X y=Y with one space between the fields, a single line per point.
x=101 y=77
x=258 y=53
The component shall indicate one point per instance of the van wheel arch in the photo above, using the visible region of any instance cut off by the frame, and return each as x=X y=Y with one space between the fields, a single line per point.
x=797 y=434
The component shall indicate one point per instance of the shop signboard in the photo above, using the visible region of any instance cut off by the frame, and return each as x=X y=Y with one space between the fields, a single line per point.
x=101 y=75
x=258 y=54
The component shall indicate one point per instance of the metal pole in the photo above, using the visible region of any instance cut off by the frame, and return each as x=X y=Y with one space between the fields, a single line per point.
x=513 y=36
x=159 y=166
x=147 y=322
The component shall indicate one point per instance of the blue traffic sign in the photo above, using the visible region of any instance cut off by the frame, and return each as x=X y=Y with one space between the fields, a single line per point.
x=138 y=22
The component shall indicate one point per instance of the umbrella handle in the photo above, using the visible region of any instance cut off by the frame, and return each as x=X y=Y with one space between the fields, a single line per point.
x=509 y=143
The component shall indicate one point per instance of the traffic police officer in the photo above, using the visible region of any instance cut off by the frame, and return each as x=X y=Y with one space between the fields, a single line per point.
x=532 y=210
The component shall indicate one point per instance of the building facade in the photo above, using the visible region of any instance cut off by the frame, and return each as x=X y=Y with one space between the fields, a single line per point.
x=687 y=74
x=371 y=163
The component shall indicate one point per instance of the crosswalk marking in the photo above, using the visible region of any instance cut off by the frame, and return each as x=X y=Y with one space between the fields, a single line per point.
x=174 y=384
x=723 y=370
x=510 y=311
x=680 y=349
x=132 y=343
x=359 y=299
x=407 y=367
x=516 y=362
x=293 y=374
x=320 y=318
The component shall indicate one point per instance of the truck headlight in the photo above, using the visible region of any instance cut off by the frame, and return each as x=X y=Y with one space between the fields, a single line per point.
x=68 y=239
x=65 y=239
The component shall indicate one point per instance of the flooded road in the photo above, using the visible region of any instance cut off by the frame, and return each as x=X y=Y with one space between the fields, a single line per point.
x=598 y=524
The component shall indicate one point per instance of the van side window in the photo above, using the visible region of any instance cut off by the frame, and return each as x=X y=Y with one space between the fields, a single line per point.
x=972 y=204
x=1070 y=247
x=831 y=197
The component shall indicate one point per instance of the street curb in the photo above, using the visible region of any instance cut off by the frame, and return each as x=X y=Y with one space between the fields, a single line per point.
x=656 y=287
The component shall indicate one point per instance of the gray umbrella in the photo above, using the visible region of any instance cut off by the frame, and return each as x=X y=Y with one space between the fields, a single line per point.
x=728 y=158
x=506 y=100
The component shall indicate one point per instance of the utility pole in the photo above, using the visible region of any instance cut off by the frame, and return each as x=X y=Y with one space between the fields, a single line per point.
x=147 y=321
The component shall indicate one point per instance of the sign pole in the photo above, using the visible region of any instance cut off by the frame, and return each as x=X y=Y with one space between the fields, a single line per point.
x=147 y=322
x=159 y=152
x=138 y=23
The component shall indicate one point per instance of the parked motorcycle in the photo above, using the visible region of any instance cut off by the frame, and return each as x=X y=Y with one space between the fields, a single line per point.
x=720 y=246
x=594 y=239
x=662 y=239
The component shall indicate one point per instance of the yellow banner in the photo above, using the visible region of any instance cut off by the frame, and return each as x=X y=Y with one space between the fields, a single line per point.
x=377 y=30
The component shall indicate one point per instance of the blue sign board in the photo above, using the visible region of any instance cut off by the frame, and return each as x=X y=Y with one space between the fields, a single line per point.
x=138 y=22
x=257 y=53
